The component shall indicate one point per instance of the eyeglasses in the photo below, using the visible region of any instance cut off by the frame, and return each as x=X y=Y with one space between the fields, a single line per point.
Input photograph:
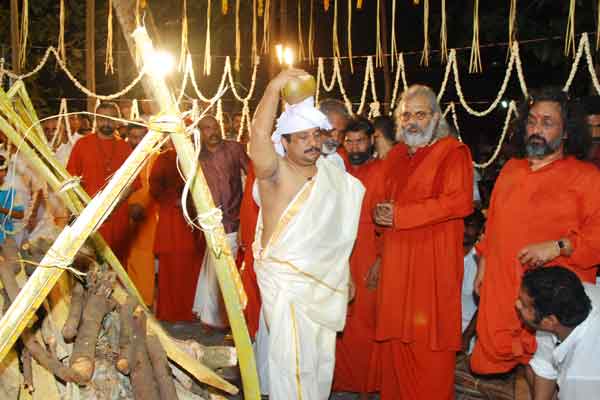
x=419 y=115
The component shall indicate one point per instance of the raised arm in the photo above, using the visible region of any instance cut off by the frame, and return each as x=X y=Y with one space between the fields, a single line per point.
x=262 y=152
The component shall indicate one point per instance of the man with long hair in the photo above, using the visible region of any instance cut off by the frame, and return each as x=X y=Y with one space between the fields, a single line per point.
x=545 y=208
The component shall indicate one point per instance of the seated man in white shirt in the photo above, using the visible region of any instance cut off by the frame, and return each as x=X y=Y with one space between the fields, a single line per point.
x=566 y=315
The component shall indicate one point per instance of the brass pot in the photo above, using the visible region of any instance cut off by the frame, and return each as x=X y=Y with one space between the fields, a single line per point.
x=298 y=89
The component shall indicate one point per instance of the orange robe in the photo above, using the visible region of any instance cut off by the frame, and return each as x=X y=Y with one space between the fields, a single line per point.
x=140 y=262
x=95 y=160
x=527 y=207
x=344 y=154
x=248 y=217
x=179 y=249
x=419 y=294
x=355 y=353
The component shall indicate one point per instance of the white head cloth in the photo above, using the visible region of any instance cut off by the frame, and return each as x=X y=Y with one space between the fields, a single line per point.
x=298 y=117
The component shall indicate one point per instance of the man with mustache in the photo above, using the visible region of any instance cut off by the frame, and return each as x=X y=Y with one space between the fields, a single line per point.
x=309 y=212
x=355 y=347
x=566 y=317
x=424 y=193
x=332 y=139
x=222 y=163
x=545 y=208
x=95 y=158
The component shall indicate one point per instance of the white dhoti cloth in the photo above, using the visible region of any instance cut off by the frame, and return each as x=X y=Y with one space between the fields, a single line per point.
x=207 y=301
x=303 y=274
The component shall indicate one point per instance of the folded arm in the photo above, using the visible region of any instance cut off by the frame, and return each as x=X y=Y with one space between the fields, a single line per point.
x=454 y=201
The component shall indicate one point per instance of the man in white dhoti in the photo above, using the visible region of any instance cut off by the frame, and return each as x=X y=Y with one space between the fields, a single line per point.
x=305 y=233
x=222 y=162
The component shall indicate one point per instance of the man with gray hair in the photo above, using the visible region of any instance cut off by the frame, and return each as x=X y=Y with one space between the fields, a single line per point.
x=423 y=196
x=332 y=139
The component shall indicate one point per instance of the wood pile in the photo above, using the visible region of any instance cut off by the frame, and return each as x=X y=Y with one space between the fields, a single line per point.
x=90 y=341
x=473 y=387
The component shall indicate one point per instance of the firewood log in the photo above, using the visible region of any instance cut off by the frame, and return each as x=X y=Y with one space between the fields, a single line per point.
x=160 y=365
x=69 y=330
x=38 y=352
x=27 y=372
x=125 y=359
x=96 y=307
x=142 y=377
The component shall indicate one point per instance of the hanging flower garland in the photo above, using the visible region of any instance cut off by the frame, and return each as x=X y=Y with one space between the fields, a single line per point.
x=425 y=55
x=475 y=62
x=207 y=60
x=349 y=34
x=570 y=32
x=61 y=31
x=184 y=36
x=444 y=35
x=334 y=40
x=394 y=44
x=108 y=60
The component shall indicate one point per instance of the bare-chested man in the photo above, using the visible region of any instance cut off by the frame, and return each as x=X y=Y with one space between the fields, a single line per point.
x=306 y=229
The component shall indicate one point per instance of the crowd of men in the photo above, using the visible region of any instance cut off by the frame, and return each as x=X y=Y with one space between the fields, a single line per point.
x=367 y=253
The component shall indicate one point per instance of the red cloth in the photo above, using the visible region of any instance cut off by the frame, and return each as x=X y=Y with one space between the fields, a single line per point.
x=414 y=371
x=344 y=154
x=179 y=249
x=248 y=217
x=95 y=160
x=356 y=355
x=527 y=207
x=419 y=294
x=223 y=172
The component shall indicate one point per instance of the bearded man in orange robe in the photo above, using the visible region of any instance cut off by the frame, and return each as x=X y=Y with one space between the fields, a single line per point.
x=356 y=355
x=95 y=158
x=545 y=209
x=427 y=190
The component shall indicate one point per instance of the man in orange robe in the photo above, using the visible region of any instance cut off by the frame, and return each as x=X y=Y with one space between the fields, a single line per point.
x=95 y=158
x=426 y=192
x=356 y=356
x=248 y=217
x=140 y=263
x=179 y=248
x=545 y=209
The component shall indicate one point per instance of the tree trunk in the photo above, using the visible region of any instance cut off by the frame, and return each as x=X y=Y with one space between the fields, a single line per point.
x=14 y=35
x=90 y=50
x=387 y=79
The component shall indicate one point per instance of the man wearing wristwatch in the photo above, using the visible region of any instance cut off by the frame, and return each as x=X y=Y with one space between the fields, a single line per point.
x=545 y=210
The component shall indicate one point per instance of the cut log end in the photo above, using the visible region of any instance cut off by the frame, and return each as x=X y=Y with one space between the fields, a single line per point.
x=84 y=368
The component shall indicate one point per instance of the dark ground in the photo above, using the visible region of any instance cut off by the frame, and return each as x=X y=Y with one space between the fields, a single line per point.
x=193 y=330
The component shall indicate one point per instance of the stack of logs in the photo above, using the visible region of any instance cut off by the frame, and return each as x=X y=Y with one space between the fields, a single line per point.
x=98 y=337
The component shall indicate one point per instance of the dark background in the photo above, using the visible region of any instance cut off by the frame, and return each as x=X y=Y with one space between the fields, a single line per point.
x=541 y=30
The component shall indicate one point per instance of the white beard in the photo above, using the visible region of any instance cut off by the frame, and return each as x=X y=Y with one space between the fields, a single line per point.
x=418 y=139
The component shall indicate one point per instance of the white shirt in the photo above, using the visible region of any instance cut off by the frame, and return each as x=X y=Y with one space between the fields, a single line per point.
x=574 y=363
x=476 y=180
x=64 y=150
x=468 y=301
